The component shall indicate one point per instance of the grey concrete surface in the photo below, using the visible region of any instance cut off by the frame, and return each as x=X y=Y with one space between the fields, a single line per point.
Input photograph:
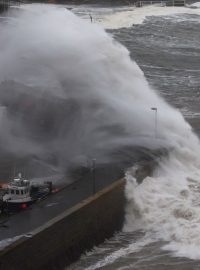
x=62 y=240
x=43 y=211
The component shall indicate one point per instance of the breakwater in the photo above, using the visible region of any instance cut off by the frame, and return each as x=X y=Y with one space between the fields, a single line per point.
x=63 y=239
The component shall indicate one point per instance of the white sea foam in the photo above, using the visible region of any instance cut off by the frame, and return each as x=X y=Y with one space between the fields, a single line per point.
x=168 y=203
x=197 y=4
x=138 y=15
x=124 y=251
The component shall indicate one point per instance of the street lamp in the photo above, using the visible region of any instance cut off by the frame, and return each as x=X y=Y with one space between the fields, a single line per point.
x=156 y=120
x=93 y=175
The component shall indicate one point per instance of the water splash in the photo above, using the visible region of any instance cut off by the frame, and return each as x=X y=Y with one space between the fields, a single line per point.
x=69 y=91
x=167 y=204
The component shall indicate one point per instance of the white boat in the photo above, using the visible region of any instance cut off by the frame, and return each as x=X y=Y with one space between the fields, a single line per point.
x=18 y=194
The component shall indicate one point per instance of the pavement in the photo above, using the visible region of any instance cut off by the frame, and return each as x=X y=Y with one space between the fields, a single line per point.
x=22 y=223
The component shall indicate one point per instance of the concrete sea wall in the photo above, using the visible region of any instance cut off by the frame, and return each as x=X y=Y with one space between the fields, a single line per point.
x=63 y=239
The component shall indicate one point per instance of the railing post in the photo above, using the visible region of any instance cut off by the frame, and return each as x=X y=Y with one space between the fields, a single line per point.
x=94 y=176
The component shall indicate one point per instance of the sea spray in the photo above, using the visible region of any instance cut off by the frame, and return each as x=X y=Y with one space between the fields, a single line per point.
x=69 y=90
x=167 y=205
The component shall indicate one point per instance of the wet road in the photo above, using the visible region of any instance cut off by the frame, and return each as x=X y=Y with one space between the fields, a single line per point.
x=41 y=212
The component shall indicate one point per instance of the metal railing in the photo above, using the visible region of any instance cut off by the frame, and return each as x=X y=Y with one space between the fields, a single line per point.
x=160 y=3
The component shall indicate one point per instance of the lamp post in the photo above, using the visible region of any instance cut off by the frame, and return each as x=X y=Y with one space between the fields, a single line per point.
x=156 y=120
x=93 y=175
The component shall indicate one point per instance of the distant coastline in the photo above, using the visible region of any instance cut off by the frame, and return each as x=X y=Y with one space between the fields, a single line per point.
x=89 y=2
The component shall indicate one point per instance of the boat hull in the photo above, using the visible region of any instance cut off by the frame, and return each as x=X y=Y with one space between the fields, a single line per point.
x=16 y=206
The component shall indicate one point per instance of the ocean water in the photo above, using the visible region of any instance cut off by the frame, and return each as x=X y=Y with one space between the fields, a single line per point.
x=162 y=224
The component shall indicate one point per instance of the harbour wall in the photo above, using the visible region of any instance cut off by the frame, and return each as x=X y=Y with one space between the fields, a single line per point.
x=63 y=239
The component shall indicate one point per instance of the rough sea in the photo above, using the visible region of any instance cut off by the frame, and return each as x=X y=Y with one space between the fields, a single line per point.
x=165 y=43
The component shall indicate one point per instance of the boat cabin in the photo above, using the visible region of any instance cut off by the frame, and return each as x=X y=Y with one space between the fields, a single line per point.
x=18 y=189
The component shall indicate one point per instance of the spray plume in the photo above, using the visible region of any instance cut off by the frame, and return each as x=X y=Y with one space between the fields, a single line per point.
x=68 y=90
